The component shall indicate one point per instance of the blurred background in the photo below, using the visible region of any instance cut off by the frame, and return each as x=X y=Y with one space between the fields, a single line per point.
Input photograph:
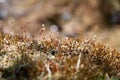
x=99 y=19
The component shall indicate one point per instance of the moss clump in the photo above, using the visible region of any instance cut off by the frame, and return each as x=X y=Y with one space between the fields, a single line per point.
x=80 y=59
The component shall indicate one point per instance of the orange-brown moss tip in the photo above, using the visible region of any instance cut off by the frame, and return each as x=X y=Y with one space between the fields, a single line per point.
x=108 y=58
x=58 y=56
x=96 y=52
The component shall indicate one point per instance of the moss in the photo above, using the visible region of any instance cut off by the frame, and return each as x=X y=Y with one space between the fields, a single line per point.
x=80 y=59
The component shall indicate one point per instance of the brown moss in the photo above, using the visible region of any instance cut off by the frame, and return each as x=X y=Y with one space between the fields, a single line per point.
x=44 y=59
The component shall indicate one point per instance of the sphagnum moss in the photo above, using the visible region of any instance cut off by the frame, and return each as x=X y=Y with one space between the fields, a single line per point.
x=36 y=59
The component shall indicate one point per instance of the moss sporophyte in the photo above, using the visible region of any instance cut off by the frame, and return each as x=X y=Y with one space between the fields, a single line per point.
x=21 y=58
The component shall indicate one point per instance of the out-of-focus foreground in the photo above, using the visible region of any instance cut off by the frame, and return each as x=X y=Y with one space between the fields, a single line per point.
x=41 y=20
